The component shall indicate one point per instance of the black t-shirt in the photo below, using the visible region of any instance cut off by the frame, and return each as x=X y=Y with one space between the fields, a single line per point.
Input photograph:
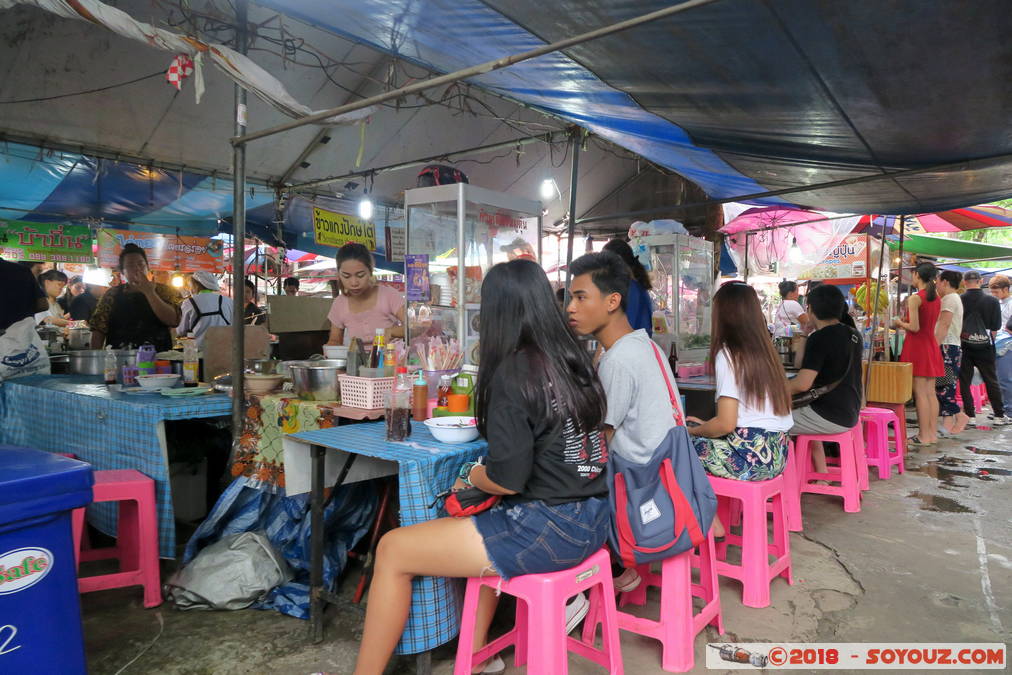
x=981 y=315
x=83 y=306
x=826 y=353
x=19 y=293
x=539 y=456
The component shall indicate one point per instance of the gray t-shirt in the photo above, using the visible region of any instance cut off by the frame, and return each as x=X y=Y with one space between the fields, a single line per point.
x=639 y=405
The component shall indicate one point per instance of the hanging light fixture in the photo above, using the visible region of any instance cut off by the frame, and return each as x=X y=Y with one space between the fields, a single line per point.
x=365 y=207
x=549 y=189
x=177 y=276
x=794 y=255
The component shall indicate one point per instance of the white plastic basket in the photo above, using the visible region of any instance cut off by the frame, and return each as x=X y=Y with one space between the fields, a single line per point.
x=367 y=393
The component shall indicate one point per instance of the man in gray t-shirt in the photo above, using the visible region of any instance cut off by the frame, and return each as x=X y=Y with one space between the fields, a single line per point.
x=632 y=368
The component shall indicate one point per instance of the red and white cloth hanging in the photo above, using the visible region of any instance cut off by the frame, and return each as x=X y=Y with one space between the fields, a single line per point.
x=180 y=69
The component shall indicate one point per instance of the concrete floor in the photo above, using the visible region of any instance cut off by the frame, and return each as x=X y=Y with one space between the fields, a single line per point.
x=928 y=558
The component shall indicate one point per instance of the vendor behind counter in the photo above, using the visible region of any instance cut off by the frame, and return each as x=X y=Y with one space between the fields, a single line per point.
x=137 y=312
x=364 y=305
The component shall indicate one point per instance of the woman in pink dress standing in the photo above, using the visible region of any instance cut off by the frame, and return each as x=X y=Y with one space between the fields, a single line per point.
x=921 y=349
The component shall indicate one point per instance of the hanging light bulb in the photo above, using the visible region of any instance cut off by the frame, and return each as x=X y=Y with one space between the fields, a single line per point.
x=794 y=255
x=365 y=208
x=548 y=188
x=177 y=279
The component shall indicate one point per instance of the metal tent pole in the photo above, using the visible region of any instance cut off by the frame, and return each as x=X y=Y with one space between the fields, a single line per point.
x=238 y=243
x=874 y=317
x=571 y=227
x=471 y=71
x=745 y=274
x=899 y=278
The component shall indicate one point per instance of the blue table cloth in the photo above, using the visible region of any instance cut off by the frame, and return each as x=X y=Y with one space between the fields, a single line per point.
x=77 y=414
x=426 y=468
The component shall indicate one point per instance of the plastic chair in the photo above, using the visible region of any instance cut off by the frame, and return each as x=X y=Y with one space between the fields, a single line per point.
x=677 y=625
x=539 y=635
x=878 y=453
x=900 y=411
x=136 y=537
x=847 y=474
x=755 y=572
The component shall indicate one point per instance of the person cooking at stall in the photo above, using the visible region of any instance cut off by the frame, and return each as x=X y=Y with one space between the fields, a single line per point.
x=790 y=311
x=253 y=314
x=206 y=307
x=137 y=312
x=53 y=282
x=364 y=305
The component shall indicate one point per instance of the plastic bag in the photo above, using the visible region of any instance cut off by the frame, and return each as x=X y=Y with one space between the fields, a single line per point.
x=232 y=573
x=22 y=351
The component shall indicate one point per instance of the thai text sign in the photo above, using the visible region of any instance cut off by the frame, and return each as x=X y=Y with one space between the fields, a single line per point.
x=42 y=242
x=338 y=229
x=164 y=251
x=848 y=260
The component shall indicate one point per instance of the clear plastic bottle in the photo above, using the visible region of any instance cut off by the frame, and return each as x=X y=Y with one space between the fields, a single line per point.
x=191 y=362
x=109 y=367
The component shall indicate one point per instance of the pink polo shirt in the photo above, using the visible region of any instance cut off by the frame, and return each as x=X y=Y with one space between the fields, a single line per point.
x=363 y=325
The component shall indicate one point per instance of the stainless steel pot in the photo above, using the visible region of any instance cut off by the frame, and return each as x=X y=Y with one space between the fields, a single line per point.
x=317 y=380
x=87 y=362
x=263 y=366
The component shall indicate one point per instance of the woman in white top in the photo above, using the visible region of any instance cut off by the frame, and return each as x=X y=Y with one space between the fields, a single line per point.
x=947 y=331
x=747 y=440
x=790 y=311
x=206 y=307
x=53 y=282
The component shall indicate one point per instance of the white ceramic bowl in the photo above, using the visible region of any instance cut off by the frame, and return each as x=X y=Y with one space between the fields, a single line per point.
x=453 y=429
x=262 y=384
x=157 y=382
x=335 y=351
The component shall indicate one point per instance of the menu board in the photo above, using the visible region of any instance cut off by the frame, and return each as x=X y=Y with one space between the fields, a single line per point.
x=164 y=251
x=848 y=260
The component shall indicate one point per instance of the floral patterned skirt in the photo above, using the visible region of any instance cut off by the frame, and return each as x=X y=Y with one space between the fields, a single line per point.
x=747 y=453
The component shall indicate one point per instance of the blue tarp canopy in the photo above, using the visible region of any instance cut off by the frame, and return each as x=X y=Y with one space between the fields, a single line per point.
x=745 y=96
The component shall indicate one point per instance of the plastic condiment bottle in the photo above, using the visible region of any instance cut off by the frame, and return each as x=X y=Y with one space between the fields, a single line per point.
x=191 y=364
x=146 y=359
x=109 y=367
x=443 y=392
x=378 y=349
x=420 y=399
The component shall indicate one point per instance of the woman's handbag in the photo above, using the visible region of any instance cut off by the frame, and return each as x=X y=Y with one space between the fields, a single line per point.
x=806 y=398
x=665 y=506
x=468 y=502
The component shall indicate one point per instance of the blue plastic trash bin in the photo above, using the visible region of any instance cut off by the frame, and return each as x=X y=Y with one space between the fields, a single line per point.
x=40 y=615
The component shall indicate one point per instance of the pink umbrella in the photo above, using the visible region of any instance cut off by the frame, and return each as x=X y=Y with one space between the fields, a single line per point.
x=956 y=220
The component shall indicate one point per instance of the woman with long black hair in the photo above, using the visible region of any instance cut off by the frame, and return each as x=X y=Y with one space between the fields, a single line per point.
x=541 y=407
x=921 y=349
x=638 y=308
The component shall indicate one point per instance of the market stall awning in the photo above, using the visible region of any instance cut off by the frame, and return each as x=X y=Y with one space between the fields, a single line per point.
x=746 y=96
x=957 y=249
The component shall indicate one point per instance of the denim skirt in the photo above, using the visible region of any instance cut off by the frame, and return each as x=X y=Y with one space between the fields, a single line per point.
x=536 y=538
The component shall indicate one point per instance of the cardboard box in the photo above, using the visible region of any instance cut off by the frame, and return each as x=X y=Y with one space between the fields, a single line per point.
x=294 y=314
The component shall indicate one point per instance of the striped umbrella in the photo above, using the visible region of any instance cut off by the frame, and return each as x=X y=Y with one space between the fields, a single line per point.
x=956 y=220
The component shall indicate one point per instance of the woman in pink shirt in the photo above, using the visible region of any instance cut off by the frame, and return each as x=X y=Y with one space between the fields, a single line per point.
x=363 y=305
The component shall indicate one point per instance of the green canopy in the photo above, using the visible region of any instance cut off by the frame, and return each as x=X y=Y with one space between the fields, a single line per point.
x=938 y=247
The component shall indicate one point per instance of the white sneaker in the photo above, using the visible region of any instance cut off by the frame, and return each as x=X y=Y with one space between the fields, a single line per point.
x=1002 y=421
x=494 y=665
x=576 y=611
x=629 y=580
x=972 y=422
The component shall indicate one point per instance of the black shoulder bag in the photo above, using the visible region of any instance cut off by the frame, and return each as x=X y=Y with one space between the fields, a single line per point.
x=806 y=398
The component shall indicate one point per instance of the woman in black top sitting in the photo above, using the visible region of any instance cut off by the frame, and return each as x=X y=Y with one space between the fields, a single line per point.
x=540 y=406
x=832 y=353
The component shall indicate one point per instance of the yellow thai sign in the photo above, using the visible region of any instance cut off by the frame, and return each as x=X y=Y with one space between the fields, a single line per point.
x=338 y=229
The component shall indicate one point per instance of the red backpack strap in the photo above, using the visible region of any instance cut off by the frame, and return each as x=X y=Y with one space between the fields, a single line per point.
x=676 y=405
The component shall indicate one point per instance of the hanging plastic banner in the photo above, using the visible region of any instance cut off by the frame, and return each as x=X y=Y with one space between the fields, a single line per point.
x=337 y=229
x=848 y=260
x=416 y=283
x=45 y=242
x=164 y=251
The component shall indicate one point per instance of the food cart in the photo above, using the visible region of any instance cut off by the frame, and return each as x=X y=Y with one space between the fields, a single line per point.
x=682 y=273
x=455 y=234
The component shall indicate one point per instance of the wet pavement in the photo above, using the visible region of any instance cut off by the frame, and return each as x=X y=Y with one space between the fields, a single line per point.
x=928 y=558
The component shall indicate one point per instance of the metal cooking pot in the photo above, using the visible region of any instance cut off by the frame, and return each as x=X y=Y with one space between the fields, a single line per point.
x=80 y=338
x=317 y=380
x=87 y=362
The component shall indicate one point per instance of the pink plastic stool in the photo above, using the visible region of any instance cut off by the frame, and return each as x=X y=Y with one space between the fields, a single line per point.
x=755 y=572
x=792 y=490
x=539 y=635
x=979 y=392
x=876 y=438
x=848 y=473
x=901 y=414
x=677 y=626
x=136 y=537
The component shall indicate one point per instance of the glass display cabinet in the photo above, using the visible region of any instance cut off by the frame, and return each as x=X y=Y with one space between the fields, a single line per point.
x=682 y=273
x=455 y=234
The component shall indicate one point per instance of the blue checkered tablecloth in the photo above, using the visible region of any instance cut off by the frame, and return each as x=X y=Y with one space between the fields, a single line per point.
x=77 y=414
x=426 y=468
